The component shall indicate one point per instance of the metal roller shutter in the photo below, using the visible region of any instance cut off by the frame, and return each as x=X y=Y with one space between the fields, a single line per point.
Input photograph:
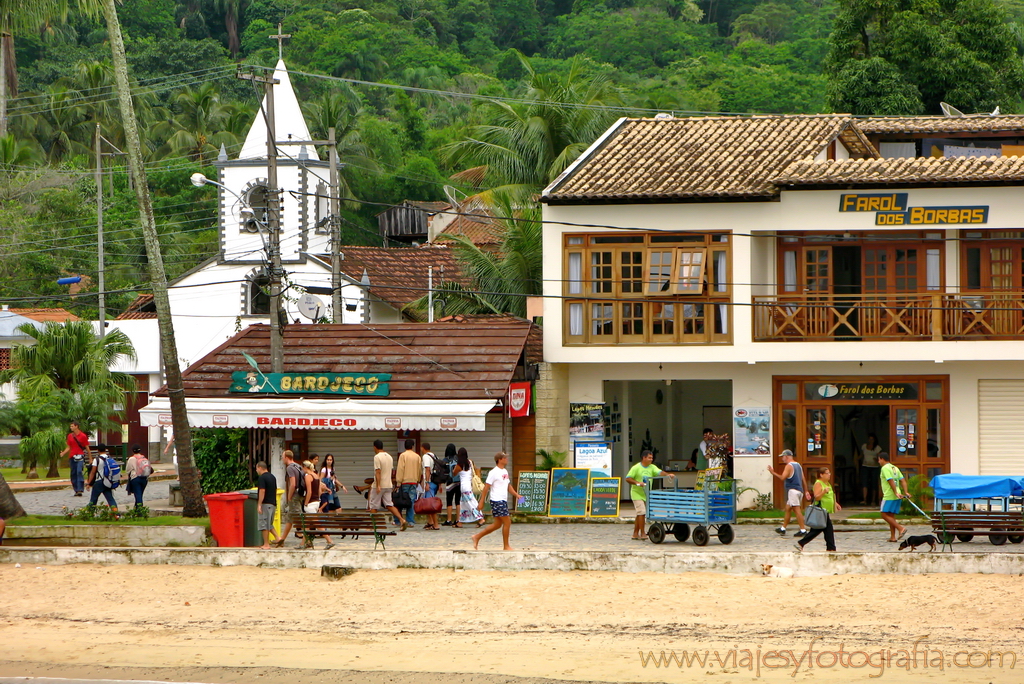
x=1000 y=408
x=481 y=445
x=353 y=456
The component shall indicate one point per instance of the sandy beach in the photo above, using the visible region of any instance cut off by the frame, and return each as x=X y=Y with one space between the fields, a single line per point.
x=243 y=624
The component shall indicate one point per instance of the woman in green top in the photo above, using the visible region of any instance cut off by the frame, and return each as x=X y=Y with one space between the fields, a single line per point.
x=825 y=495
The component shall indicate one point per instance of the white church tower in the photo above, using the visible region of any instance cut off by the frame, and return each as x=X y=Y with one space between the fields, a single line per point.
x=303 y=180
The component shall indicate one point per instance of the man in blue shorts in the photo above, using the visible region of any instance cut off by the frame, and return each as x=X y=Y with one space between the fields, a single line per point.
x=892 y=498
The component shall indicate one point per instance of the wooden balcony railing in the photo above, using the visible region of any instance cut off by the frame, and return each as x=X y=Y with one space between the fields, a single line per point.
x=931 y=316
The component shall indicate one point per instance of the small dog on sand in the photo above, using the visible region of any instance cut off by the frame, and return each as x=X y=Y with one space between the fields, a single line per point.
x=919 y=540
x=775 y=571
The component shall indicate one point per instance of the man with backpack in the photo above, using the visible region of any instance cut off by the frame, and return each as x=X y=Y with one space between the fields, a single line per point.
x=104 y=477
x=435 y=475
x=294 y=495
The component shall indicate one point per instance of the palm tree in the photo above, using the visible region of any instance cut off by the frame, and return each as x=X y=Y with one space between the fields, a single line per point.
x=343 y=109
x=9 y=506
x=26 y=417
x=16 y=15
x=67 y=356
x=63 y=130
x=523 y=147
x=232 y=9
x=501 y=279
x=15 y=153
x=197 y=131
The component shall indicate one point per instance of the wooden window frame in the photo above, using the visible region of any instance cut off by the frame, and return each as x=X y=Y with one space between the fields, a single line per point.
x=986 y=244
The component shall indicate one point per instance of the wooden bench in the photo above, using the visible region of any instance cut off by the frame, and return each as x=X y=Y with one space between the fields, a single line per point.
x=344 y=524
x=998 y=526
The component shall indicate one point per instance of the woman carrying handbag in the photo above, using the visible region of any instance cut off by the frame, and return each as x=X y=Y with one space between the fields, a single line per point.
x=825 y=498
x=465 y=471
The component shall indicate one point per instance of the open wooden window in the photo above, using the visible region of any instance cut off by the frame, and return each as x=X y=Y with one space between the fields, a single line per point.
x=690 y=275
x=660 y=263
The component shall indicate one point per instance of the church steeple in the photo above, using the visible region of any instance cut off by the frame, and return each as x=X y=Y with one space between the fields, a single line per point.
x=288 y=120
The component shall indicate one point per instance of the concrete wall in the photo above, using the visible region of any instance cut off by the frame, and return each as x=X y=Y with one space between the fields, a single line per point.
x=551 y=400
x=105 y=535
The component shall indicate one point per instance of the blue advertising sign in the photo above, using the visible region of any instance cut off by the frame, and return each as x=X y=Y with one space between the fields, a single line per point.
x=568 y=492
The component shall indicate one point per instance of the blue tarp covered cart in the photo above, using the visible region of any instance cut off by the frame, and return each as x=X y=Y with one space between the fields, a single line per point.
x=969 y=505
x=712 y=507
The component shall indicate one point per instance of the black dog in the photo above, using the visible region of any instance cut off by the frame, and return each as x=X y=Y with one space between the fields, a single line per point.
x=920 y=540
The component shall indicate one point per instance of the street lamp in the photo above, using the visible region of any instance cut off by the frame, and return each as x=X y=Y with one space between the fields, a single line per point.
x=274 y=252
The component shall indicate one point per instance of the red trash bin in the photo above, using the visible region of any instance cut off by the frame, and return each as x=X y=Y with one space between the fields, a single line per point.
x=227 y=514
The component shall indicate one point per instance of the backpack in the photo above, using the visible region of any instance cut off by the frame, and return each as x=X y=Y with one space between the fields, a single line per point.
x=300 y=484
x=439 y=474
x=142 y=467
x=110 y=472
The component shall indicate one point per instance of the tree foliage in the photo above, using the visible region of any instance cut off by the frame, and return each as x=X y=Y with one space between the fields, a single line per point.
x=920 y=54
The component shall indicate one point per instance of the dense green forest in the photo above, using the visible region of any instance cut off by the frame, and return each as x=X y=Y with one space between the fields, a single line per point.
x=536 y=59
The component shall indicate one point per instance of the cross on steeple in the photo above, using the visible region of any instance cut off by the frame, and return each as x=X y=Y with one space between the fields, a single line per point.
x=280 y=41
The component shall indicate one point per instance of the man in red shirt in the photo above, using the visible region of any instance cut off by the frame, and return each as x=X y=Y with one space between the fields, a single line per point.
x=77 y=450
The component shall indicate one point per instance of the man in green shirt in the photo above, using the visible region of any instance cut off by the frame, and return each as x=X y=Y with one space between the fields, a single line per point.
x=637 y=476
x=891 y=480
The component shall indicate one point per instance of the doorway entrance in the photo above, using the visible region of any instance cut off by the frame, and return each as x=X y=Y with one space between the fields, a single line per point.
x=827 y=421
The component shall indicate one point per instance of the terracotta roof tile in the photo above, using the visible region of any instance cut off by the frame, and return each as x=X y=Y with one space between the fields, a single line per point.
x=47 y=315
x=701 y=157
x=398 y=275
x=140 y=309
x=480 y=230
x=940 y=124
x=920 y=170
x=470 y=359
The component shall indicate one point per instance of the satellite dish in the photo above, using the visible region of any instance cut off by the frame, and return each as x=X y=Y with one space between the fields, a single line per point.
x=311 y=306
x=950 y=110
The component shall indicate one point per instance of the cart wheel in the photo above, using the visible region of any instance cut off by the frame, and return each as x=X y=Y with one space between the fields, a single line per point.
x=700 y=535
x=966 y=537
x=726 y=534
x=997 y=539
x=1016 y=538
x=656 y=533
x=681 y=531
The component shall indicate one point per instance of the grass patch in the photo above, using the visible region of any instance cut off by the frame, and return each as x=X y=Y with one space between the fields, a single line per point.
x=15 y=474
x=158 y=520
x=759 y=514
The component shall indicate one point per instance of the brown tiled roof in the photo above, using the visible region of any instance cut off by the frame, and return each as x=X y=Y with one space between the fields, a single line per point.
x=920 y=170
x=701 y=157
x=398 y=275
x=454 y=360
x=139 y=309
x=940 y=124
x=478 y=229
x=534 y=343
x=47 y=315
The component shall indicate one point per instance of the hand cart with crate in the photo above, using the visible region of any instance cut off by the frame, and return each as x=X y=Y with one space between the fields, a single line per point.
x=673 y=510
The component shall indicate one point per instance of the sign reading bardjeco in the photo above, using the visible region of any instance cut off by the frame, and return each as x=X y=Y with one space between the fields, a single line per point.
x=892 y=209
x=358 y=384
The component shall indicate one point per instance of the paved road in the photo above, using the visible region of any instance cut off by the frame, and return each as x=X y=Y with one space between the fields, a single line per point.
x=553 y=537
x=51 y=502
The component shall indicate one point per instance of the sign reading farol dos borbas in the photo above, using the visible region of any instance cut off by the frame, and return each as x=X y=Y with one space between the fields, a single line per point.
x=891 y=209
x=350 y=384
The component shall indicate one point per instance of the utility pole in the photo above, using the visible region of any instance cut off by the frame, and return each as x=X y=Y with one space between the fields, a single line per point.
x=336 y=304
x=273 y=224
x=100 y=257
x=274 y=249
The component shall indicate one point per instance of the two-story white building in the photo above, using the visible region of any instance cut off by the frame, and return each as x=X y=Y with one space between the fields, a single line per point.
x=802 y=280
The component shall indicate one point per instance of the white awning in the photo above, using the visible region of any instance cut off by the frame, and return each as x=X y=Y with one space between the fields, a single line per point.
x=326 y=414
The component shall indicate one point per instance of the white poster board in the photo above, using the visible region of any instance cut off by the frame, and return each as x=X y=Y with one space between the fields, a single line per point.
x=594 y=455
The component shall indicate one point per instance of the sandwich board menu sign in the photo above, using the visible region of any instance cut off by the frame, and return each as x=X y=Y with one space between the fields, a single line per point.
x=604 y=497
x=533 y=486
x=568 y=492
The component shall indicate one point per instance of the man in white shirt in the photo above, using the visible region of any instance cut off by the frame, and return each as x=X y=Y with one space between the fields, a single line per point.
x=498 y=485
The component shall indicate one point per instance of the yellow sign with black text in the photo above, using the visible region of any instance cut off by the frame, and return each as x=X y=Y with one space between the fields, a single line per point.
x=892 y=209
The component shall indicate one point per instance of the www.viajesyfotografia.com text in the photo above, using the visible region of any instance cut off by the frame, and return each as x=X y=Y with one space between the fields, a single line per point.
x=817 y=655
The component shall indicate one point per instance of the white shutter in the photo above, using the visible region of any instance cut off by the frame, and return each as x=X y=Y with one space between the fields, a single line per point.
x=353 y=457
x=481 y=445
x=1000 y=409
